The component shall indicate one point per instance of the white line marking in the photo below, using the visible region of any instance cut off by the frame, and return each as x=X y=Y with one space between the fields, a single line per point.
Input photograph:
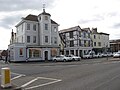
x=43 y=84
x=47 y=78
x=17 y=77
x=29 y=82
x=17 y=74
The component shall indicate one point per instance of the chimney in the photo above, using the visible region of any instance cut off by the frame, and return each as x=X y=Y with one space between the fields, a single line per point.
x=94 y=30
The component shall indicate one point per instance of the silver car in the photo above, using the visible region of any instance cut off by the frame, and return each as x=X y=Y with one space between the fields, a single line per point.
x=61 y=58
x=74 y=58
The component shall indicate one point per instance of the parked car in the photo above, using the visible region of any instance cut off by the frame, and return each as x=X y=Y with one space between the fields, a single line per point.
x=87 y=56
x=95 y=55
x=116 y=55
x=61 y=58
x=100 y=55
x=74 y=58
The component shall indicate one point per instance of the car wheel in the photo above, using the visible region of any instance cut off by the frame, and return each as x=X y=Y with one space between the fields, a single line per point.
x=54 y=60
x=73 y=59
x=64 y=60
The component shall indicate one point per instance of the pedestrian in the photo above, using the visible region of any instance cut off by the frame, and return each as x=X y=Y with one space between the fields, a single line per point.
x=6 y=59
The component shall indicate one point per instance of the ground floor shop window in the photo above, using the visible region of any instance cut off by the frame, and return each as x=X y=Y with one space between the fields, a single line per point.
x=34 y=53
x=72 y=52
x=53 y=52
x=21 y=52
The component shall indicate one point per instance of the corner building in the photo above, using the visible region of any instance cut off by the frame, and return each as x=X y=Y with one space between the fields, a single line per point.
x=36 y=39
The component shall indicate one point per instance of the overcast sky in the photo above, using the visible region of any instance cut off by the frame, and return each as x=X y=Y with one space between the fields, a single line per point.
x=103 y=14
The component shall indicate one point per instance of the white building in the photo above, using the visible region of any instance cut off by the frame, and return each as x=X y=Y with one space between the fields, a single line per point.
x=100 y=41
x=76 y=41
x=36 y=38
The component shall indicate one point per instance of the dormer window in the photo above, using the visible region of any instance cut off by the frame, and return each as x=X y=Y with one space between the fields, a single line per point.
x=46 y=17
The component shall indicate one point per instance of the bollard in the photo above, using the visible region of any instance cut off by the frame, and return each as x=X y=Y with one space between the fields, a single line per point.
x=5 y=78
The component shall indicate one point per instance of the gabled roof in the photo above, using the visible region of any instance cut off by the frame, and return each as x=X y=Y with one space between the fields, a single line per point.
x=70 y=29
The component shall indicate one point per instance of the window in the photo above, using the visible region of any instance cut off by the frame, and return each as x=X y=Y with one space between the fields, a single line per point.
x=28 y=26
x=79 y=34
x=55 y=40
x=53 y=52
x=55 y=29
x=99 y=43
x=85 y=44
x=72 y=52
x=84 y=35
x=46 y=17
x=46 y=39
x=28 y=39
x=89 y=43
x=21 y=51
x=71 y=34
x=34 y=39
x=30 y=53
x=79 y=42
x=34 y=27
x=36 y=53
x=46 y=26
x=88 y=35
x=33 y=53
x=72 y=43
x=94 y=37
x=94 y=43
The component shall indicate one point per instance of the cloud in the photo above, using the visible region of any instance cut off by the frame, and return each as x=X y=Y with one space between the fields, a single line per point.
x=116 y=25
x=9 y=21
x=18 y=5
x=94 y=18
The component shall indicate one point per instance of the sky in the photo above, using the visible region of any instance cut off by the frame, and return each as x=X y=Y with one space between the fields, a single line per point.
x=103 y=14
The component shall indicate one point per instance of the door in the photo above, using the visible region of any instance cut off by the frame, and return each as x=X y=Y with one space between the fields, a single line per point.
x=46 y=55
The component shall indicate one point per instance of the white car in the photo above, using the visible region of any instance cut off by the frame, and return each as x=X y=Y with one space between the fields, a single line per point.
x=116 y=55
x=61 y=58
x=87 y=56
x=74 y=58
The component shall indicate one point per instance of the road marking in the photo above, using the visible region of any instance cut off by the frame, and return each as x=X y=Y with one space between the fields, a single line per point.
x=43 y=84
x=47 y=78
x=17 y=77
x=29 y=82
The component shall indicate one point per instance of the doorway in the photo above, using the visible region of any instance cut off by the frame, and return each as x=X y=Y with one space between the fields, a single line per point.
x=46 y=55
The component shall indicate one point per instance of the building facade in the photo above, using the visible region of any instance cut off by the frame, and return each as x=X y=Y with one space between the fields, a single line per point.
x=36 y=38
x=76 y=41
x=115 y=45
x=100 y=41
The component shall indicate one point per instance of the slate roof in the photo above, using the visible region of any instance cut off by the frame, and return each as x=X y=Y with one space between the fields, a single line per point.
x=31 y=17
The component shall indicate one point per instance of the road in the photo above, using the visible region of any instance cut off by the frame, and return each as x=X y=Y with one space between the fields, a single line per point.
x=92 y=74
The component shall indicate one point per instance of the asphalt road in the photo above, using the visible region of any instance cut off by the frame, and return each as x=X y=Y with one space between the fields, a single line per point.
x=92 y=74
